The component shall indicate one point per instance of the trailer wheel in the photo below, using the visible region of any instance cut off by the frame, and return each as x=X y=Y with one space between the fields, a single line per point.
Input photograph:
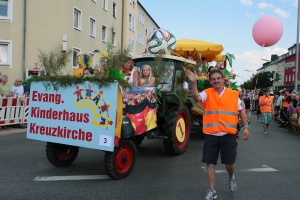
x=119 y=163
x=177 y=128
x=61 y=155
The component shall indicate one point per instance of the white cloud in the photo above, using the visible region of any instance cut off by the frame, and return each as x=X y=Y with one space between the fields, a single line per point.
x=250 y=15
x=246 y=2
x=265 y=5
x=251 y=60
x=282 y=13
x=295 y=2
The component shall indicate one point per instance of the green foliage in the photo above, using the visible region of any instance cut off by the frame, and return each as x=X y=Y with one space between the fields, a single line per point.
x=116 y=60
x=64 y=81
x=159 y=68
x=53 y=63
x=182 y=96
x=261 y=80
x=229 y=58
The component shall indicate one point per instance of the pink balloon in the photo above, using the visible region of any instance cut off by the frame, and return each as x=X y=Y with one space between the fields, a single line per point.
x=267 y=31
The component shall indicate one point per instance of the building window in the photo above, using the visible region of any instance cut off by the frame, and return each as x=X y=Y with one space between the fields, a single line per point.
x=131 y=22
x=150 y=28
x=293 y=77
x=6 y=9
x=104 y=30
x=141 y=18
x=77 y=19
x=76 y=52
x=141 y=39
x=132 y=2
x=114 y=10
x=92 y=27
x=286 y=78
x=113 y=38
x=130 y=46
x=105 y=4
x=290 y=78
x=5 y=52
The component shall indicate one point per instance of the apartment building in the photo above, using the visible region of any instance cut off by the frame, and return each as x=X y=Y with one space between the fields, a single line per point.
x=145 y=26
x=138 y=24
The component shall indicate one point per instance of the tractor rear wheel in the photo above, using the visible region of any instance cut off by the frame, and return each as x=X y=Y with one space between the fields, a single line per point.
x=119 y=163
x=61 y=155
x=177 y=128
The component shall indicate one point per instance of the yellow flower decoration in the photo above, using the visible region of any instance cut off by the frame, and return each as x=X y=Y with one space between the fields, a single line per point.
x=102 y=53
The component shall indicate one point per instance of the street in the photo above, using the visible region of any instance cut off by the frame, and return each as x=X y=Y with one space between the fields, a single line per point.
x=267 y=167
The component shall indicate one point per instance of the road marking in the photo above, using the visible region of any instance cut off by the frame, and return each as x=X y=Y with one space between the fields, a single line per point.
x=71 y=178
x=264 y=168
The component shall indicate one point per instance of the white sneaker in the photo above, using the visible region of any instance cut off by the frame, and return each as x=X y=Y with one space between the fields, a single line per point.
x=232 y=185
x=211 y=195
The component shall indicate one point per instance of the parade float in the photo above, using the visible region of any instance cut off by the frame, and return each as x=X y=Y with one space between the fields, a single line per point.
x=104 y=112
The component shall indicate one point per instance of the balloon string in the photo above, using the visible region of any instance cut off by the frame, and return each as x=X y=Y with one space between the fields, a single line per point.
x=261 y=49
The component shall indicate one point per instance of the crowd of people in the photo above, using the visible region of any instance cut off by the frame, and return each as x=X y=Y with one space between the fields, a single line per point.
x=282 y=106
x=16 y=90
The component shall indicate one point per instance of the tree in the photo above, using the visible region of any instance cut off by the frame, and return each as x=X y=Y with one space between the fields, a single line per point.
x=53 y=63
x=262 y=80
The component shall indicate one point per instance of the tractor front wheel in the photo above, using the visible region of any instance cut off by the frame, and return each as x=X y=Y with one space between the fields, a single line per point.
x=177 y=128
x=61 y=155
x=119 y=163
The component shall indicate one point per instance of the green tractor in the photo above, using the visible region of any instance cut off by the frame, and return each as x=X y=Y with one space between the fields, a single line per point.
x=174 y=122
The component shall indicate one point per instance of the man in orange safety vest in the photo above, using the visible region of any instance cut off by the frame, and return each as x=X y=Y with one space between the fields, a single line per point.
x=222 y=107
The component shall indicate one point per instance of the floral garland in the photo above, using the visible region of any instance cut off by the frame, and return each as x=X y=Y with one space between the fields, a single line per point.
x=128 y=75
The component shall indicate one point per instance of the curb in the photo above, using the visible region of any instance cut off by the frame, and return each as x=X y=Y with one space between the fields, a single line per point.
x=12 y=131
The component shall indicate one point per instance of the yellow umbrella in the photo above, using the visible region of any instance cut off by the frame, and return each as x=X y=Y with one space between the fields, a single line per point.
x=220 y=58
x=188 y=47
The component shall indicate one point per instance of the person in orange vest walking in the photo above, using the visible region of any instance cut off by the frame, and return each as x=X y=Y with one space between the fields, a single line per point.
x=285 y=104
x=222 y=107
x=266 y=109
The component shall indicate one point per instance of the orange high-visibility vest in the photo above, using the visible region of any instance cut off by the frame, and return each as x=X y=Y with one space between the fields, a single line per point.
x=266 y=108
x=221 y=114
x=285 y=103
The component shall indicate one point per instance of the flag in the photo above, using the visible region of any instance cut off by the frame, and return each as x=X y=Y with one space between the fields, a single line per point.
x=116 y=74
x=200 y=83
x=226 y=72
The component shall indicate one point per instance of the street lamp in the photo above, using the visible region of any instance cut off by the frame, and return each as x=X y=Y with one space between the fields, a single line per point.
x=249 y=70
x=265 y=60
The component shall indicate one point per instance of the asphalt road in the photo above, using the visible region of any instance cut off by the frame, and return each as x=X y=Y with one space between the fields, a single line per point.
x=156 y=175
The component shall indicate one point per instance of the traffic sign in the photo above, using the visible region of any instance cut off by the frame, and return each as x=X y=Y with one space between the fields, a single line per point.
x=289 y=64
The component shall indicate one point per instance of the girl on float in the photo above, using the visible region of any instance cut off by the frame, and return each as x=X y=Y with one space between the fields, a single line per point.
x=146 y=79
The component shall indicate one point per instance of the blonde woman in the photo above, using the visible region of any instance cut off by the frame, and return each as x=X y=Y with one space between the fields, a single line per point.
x=4 y=87
x=17 y=89
x=146 y=79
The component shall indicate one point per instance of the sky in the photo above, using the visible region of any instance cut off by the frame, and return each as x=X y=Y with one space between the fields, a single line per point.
x=230 y=23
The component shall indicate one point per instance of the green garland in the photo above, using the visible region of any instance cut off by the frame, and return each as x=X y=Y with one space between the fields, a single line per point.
x=64 y=81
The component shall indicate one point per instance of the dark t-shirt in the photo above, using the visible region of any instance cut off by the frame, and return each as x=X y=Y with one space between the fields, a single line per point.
x=294 y=103
x=27 y=88
x=247 y=102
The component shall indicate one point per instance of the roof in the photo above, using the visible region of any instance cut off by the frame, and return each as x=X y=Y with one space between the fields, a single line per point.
x=165 y=56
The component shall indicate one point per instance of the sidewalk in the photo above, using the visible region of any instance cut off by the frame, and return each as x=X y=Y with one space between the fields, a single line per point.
x=12 y=130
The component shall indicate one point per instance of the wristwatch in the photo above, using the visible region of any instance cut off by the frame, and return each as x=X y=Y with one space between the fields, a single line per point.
x=246 y=126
